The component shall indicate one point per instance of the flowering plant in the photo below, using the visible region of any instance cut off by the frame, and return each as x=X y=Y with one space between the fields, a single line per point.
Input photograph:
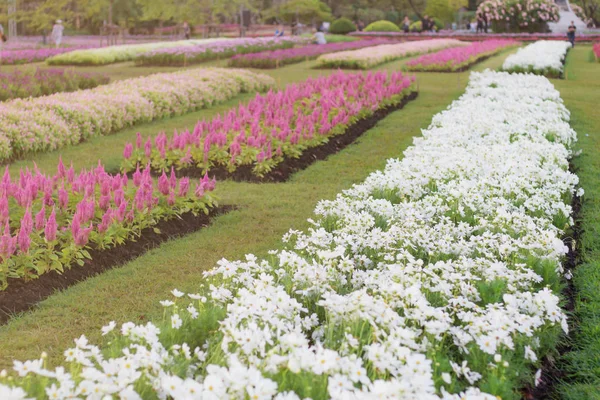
x=41 y=82
x=542 y=58
x=458 y=58
x=519 y=15
x=274 y=126
x=114 y=54
x=466 y=36
x=30 y=55
x=372 y=56
x=436 y=278
x=50 y=122
x=184 y=55
x=47 y=222
x=273 y=59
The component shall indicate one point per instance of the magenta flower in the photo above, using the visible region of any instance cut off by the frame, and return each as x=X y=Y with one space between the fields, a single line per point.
x=82 y=237
x=40 y=218
x=51 y=227
x=8 y=244
x=184 y=187
x=23 y=237
x=163 y=184
x=128 y=151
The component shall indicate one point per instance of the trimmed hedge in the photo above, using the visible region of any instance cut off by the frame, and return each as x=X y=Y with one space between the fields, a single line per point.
x=382 y=26
x=342 y=26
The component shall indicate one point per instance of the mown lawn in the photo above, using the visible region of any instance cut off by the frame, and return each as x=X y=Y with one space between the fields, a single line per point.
x=581 y=94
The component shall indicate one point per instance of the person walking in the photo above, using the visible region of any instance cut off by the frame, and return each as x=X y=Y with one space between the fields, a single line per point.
x=406 y=24
x=57 y=33
x=187 y=31
x=571 y=33
x=360 y=25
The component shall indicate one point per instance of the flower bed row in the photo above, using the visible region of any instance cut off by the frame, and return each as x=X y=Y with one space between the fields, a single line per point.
x=542 y=58
x=12 y=57
x=373 y=56
x=466 y=36
x=458 y=58
x=48 y=222
x=50 y=122
x=114 y=54
x=272 y=127
x=185 y=55
x=278 y=58
x=435 y=278
x=42 y=82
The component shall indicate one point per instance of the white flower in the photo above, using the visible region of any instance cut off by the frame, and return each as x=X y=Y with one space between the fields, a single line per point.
x=177 y=293
x=176 y=321
x=108 y=328
x=9 y=393
x=530 y=354
x=446 y=377
x=538 y=377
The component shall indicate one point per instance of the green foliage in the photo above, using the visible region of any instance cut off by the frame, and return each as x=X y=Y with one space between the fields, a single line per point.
x=382 y=26
x=304 y=11
x=417 y=26
x=342 y=26
x=441 y=10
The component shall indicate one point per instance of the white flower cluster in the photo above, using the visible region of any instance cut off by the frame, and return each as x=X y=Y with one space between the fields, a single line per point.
x=432 y=279
x=121 y=53
x=544 y=57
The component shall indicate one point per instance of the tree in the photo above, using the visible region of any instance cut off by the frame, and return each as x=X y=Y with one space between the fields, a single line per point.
x=591 y=9
x=305 y=11
x=444 y=9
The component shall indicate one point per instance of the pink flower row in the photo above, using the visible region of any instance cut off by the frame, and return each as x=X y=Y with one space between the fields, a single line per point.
x=46 y=222
x=457 y=57
x=273 y=126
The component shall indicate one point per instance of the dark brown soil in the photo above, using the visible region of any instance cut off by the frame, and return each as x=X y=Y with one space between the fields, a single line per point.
x=552 y=375
x=21 y=295
x=289 y=166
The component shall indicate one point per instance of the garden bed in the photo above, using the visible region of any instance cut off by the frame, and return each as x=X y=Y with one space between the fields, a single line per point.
x=289 y=166
x=23 y=295
x=257 y=137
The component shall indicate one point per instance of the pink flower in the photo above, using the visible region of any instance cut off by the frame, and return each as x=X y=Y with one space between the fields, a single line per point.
x=40 y=218
x=51 y=227
x=23 y=239
x=8 y=244
x=184 y=187
x=148 y=148
x=83 y=235
x=104 y=202
x=128 y=151
x=163 y=184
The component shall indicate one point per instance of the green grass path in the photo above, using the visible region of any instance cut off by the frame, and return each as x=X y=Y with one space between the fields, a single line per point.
x=581 y=94
x=266 y=212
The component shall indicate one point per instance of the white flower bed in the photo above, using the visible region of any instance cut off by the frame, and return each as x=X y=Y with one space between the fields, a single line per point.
x=545 y=57
x=432 y=279
x=121 y=53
